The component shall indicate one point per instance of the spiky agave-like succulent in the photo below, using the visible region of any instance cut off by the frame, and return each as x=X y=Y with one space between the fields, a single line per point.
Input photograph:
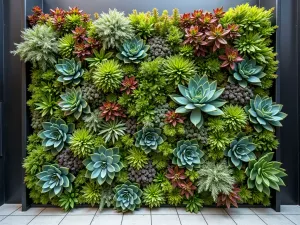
x=241 y=150
x=153 y=195
x=264 y=174
x=187 y=154
x=82 y=143
x=264 y=114
x=66 y=46
x=127 y=197
x=148 y=139
x=133 y=50
x=73 y=103
x=113 y=28
x=70 y=71
x=200 y=96
x=55 y=180
x=56 y=134
x=247 y=72
x=112 y=130
x=103 y=164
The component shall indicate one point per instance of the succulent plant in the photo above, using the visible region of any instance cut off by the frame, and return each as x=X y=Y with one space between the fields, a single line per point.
x=47 y=105
x=133 y=51
x=176 y=176
x=36 y=120
x=66 y=46
x=82 y=143
x=54 y=180
x=67 y=159
x=158 y=48
x=264 y=174
x=160 y=112
x=108 y=76
x=127 y=197
x=247 y=72
x=70 y=71
x=264 y=114
x=142 y=176
x=92 y=95
x=193 y=204
x=148 y=139
x=111 y=111
x=131 y=125
x=231 y=199
x=200 y=96
x=136 y=158
x=237 y=95
x=187 y=189
x=241 y=150
x=99 y=57
x=93 y=121
x=153 y=196
x=129 y=84
x=187 y=154
x=73 y=103
x=56 y=134
x=67 y=200
x=217 y=36
x=192 y=132
x=173 y=118
x=230 y=58
x=103 y=164
x=112 y=130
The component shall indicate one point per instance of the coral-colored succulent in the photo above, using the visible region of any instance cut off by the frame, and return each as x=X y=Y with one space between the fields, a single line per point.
x=185 y=20
x=219 y=12
x=173 y=118
x=111 y=110
x=187 y=188
x=81 y=51
x=231 y=56
x=37 y=12
x=233 y=31
x=231 y=199
x=129 y=84
x=58 y=21
x=79 y=34
x=176 y=176
x=207 y=19
x=57 y=12
x=195 y=38
x=196 y=15
x=74 y=11
x=217 y=36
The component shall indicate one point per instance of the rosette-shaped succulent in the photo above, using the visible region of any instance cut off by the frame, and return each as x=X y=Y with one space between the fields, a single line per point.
x=103 y=164
x=55 y=180
x=265 y=174
x=73 y=103
x=264 y=114
x=148 y=139
x=241 y=150
x=187 y=154
x=133 y=50
x=56 y=134
x=247 y=72
x=127 y=197
x=200 y=96
x=70 y=71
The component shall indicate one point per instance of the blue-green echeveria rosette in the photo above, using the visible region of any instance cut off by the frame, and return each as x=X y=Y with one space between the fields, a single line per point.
x=127 y=197
x=103 y=164
x=240 y=150
x=70 y=71
x=133 y=50
x=55 y=180
x=148 y=138
x=247 y=72
x=264 y=114
x=56 y=134
x=200 y=96
x=187 y=154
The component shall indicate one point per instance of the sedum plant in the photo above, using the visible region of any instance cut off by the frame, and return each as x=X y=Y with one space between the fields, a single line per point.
x=73 y=103
x=200 y=96
x=247 y=72
x=56 y=134
x=264 y=174
x=240 y=150
x=127 y=197
x=187 y=154
x=70 y=71
x=133 y=51
x=54 y=180
x=264 y=114
x=103 y=164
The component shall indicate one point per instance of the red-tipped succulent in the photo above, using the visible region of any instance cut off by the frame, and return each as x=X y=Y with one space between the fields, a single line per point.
x=129 y=84
x=173 y=118
x=231 y=199
x=57 y=12
x=196 y=15
x=231 y=56
x=176 y=176
x=217 y=36
x=233 y=31
x=219 y=12
x=185 y=20
x=81 y=51
x=207 y=19
x=111 y=110
x=195 y=38
x=58 y=21
x=75 y=11
x=187 y=188
x=79 y=34
x=34 y=18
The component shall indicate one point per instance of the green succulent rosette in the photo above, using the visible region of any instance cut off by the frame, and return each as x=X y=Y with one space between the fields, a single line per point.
x=70 y=71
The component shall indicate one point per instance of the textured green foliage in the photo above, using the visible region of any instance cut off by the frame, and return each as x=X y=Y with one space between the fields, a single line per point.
x=153 y=196
x=39 y=46
x=54 y=180
x=143 y=23
x=93 y=121
x=66 y=46
x=68 y=200
x=193 y=204
x=174 y=197
x=137 y=158
x=112 y=130
x=82 y=143
x=103 y=164
x=265 y=141
x=47 y=105
x=200 y=96
x=56 y=134
x=113 y=28
x=187 y=154
x=234 y=117
x=99 y=57
x=70 y=71
x=264 y=114
x=264 y=174
x=91 y=193
x=127 y=197
x=108 y=76
x=133 y=51
x=241 y=150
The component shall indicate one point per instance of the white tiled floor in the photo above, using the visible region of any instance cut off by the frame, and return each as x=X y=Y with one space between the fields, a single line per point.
x=12 y=215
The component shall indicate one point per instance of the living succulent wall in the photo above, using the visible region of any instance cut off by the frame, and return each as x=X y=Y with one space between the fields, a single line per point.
x=152 y=108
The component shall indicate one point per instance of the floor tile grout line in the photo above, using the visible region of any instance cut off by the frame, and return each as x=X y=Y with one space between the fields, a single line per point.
x=258 y=216
x=94 y=217
x=288 y=219
x=229 y=215
x=63 y=219
x=36 y=215
x=178 y=216
x=122 y=218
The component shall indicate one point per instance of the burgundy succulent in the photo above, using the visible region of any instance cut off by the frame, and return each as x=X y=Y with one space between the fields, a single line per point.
x=231 y=199
x=195 y=38
x=173 y=118
x=111 y=110
x=187 y=188
x=231 y=56
x=129 y=84
x=34 y=18
x=176 y=176
x=217 y=36
x=233 y=31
